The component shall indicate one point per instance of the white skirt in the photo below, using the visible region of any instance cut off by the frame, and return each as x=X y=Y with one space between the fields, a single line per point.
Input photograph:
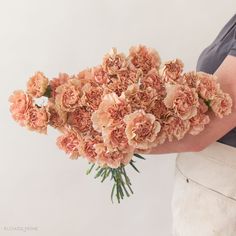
x=204 y=196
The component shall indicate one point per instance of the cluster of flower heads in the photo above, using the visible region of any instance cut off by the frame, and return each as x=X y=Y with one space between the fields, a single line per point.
x=105 y=113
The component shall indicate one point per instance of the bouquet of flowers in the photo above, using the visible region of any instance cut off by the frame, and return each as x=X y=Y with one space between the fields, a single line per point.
x=128 y=103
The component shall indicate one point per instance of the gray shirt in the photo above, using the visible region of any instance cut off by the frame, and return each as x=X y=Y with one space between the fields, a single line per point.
x=213 y=55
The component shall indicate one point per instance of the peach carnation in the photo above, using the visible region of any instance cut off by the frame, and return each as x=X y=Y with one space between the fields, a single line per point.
x=113 y=62
x=140 y=99
x=198 y=122
x=87 y=149
x=113 y=159
x=153 y=79
x=191 y=79
x=92 y=96
x=141 y=129
x=111 y=110
x=56 y=82
x=20 y=104
x=182 y=99
x=144 y=58
x=38 y=119
x=171 y=71
x=116 y=85
x=115 y=138
x=175 y=127
x=69 y=95
x=69 y=142
x=80 y=120
x=85 y=76
x=130 y=76
x=158 y=109
x=58 y=117
x=37 y=85
x=207 y=85
x=221 y=105
x=99 y=75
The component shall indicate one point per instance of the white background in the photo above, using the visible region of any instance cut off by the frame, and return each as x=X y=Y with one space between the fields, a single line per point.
x=39 y=186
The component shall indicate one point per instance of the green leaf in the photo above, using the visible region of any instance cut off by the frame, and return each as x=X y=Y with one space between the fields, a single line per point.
x=112 y=192
x=131 y=163
x=117 y=193
x=48 y=92
x=99 y=173
x=139 y=156
x=90 y=169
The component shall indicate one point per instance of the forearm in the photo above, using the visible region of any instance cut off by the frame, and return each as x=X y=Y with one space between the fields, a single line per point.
x=212 y=132
x=217 y=127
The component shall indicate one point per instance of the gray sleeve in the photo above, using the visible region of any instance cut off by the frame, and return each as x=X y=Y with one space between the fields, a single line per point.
x=232 y=51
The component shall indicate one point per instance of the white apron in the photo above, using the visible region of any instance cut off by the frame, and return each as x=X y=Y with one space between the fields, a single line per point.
x=204 y=196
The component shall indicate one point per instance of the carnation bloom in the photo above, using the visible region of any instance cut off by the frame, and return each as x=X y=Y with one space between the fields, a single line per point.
x=20 y=104
x=115 y=138
x=87 y=148
x=221 y=104
x=69 y=142
x=182 y=99
x=56 y=82
x=140 y=99
x=158 y=109
x=80 y=120
x=99 y=75
x=144 y=58
x=58 y=117
x=191 y=79
x=85 y=76
x=68 y=95
x=92 y=96
x=198 y=122
x=153 y=79
x=38 y=119
x=171 y=71
x=37 y=85
x=174 y=127
x=113 y=62
x=111 y=158
x=111 y=110
x=141 y=129
x=207 y=85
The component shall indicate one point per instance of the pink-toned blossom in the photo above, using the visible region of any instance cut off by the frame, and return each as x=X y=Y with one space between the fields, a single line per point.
x=113 y=159
x=221 y=105
x=38 y=119
x=182 y=99
x=141 y=129
x=80 y=120
x=37 y=85
x=115 y=138
x=69 y=142
x=198 y=122
x=111 y=110
x=56 y=82
x=92 y=96
x=140 y=99
x=171 y=71
x=68 y=95
x=113 y=62
x=20 y=103
x=144 y=58
x=207 y=85
x=58 y=118
x=174 y=127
